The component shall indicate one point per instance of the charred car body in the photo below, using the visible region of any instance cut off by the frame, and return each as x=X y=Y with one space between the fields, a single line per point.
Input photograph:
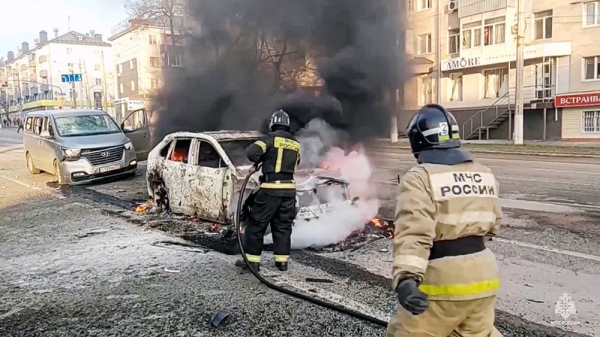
x=200 y=175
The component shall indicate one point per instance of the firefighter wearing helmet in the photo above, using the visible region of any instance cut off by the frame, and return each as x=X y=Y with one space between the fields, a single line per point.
x=275 y=201
x=445 y=278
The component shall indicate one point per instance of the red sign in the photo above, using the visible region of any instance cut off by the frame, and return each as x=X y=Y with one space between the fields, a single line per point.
x=577 y=100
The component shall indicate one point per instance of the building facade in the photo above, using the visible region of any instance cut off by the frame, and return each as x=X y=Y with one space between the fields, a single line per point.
x=472 y=45
x=142 y=50
x=37 y=77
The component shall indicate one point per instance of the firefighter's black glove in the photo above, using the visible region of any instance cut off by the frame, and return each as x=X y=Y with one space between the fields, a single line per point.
x=411 y=298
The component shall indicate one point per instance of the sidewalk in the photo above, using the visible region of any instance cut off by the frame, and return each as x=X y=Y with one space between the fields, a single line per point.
x=533 y=148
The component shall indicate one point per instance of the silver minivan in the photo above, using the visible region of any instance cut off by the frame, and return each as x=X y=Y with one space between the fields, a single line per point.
x=82 y=146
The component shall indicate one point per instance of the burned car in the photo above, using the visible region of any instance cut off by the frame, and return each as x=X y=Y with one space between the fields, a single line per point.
x=200 y=174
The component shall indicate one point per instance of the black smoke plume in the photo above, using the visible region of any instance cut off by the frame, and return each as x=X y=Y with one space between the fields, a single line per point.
x=242 y=58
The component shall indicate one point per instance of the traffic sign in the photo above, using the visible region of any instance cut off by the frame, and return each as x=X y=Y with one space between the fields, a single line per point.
x=70 y=78
x=134 y=105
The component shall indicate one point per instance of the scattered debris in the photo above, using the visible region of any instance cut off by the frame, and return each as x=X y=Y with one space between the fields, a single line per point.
x=218 y=318
x=318 y=280
x=94 y=231
x=374 y=230
x=172 y=271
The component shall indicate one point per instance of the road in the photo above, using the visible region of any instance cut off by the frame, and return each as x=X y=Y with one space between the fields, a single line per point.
x=79 y=262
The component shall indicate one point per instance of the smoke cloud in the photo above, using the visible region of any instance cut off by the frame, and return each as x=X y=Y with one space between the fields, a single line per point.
x=329 y=59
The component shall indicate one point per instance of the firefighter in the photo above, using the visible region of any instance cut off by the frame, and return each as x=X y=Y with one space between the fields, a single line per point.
x=445 y=278
x=275 y=201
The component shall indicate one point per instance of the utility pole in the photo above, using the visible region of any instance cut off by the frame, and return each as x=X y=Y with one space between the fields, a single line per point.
x=518 y=129
x=438 y=52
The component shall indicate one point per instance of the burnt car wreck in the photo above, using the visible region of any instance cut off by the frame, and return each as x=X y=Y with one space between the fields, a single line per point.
x=200 y=175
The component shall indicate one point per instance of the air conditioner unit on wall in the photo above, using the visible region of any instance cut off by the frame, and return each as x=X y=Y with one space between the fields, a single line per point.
x=452 y=6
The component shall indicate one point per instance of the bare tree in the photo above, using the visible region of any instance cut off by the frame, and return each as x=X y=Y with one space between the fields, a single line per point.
x=169 y=12
x=4 y=108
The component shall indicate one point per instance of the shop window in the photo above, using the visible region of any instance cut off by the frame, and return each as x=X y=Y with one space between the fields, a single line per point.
x=591 y=121
x=456 y=88
x=495 y=82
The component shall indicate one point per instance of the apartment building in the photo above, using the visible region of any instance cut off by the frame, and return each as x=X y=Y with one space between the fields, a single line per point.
x=142 y=49
x=472 y=45
x=32 y=78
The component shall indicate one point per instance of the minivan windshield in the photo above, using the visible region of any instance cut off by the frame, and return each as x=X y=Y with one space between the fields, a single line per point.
x=86 y=125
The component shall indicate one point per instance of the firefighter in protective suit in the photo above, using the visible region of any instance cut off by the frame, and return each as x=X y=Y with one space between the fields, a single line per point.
x=275 y=201
x=445 y=278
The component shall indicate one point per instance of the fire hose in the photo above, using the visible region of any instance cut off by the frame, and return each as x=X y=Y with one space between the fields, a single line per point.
x=289 y=292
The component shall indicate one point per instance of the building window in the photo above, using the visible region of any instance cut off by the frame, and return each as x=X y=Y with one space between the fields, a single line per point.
x=119 y=69
x=453 y=41
x=132 y=84
x=496 y=83
x=97 y=67
x=426 y=91
x=130 y=64
x=591 y=121
x=98 y=81
x=425 y=44
x=543 y=25
x=423 y=5
x=155 y=62
x=121 y=88
x=591 y=17
x=69 y=51
x=456 y=88
x=591 y=69
x=153 y=83
x=494 y=31
x=471 y=35
x=177 y=61
x=152 y=39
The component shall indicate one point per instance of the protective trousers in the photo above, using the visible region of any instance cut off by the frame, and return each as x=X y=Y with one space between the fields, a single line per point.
x=277 y=208
x=472 y=318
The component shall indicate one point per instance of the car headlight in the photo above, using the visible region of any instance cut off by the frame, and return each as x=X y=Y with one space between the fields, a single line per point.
x=72 y=153
x=128 y=146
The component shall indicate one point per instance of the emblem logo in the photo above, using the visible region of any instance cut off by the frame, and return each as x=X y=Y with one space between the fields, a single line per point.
x=105 y=154
x=565 y=306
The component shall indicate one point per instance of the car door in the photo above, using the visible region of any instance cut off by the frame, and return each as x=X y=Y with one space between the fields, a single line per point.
x=137 y=129
x=173 y=173
x=207 y=178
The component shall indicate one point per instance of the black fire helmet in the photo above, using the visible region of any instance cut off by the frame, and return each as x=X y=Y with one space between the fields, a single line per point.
x=434 y=136
x=279 y=118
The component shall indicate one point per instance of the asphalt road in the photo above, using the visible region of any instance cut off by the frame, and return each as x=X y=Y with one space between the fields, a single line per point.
x=79 y=262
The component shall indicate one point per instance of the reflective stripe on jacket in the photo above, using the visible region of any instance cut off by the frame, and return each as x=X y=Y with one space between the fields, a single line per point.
x=446 y=202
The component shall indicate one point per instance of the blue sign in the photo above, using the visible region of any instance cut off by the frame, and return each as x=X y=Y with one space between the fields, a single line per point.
x=70 y=78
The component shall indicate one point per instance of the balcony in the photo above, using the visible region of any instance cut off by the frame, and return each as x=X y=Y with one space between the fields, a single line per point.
x=45 y=88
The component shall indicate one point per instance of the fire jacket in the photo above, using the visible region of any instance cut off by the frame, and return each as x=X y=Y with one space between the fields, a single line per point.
x=279 y=153
x=442 y=203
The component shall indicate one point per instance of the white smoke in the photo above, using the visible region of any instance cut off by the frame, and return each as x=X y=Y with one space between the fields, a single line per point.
x=316 y=140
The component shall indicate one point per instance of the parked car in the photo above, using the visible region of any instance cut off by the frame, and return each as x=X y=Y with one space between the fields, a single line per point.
x=200 y=174
x=82 y=146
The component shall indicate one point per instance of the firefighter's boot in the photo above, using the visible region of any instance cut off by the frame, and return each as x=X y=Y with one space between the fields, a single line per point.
x=242 y=264
x=283 y=266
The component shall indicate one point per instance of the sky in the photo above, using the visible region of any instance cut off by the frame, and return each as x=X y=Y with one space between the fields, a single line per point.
x=22 y=20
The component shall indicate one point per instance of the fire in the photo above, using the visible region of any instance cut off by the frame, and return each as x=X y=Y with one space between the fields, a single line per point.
x=379 y=223
x=214 y=227
x=141 y=208
x=179 y=155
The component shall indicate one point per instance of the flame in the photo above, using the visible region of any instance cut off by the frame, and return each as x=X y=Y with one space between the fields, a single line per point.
x=141 y=208
x=214 y=227
x=379 y=223
x=179 y=155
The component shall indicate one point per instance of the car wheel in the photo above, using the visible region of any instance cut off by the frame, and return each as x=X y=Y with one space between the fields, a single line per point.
x=59 y=176
x=32 y=169
x=130 y=175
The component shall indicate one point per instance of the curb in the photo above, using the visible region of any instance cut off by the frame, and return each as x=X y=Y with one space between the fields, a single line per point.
x=538 y=154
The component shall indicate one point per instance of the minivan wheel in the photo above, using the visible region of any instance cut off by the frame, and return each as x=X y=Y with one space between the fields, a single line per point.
x=59 y=176
x=32 y=169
